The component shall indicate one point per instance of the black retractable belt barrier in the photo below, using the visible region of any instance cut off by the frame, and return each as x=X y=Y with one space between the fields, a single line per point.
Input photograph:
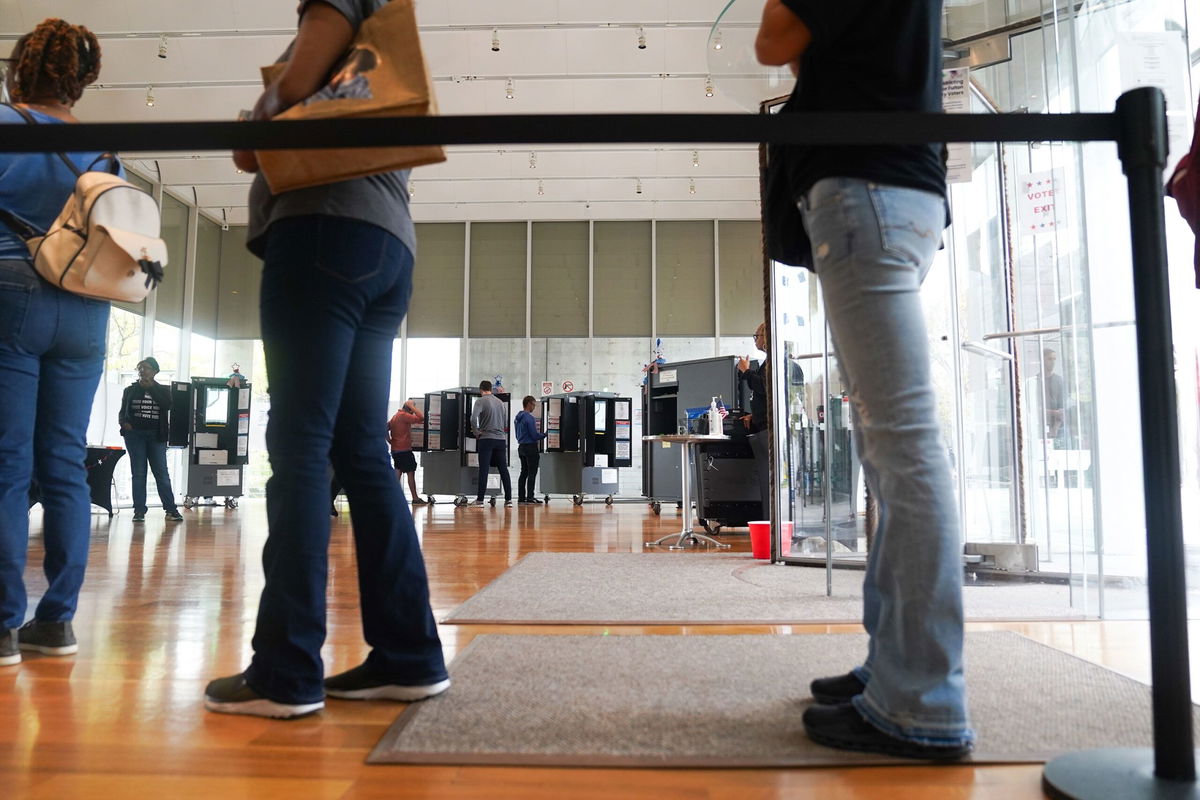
x=1138 y=126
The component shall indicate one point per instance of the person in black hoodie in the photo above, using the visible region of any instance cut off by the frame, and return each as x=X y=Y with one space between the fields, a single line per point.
x=143 y=418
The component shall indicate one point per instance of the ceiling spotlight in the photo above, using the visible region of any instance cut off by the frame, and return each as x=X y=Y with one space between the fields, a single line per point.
x=508 y=89
x=695 y=158
x=717 y=45
x=708 y=87
x=495 y=40
x=239 y=170
x=541 y=187
x=150 y=97
x=639 y=185
x=692 y=186
x=641 y=38
x=162 y=46
x=412 y=189
x=533 y=160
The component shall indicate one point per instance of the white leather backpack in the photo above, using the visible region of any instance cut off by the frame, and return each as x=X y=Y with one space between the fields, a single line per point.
x=105 y=243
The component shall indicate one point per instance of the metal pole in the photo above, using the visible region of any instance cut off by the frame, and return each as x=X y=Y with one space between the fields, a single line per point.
x=1143 y=152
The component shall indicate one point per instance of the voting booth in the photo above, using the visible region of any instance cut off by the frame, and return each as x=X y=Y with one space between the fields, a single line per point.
x=450 y=464
x=211 y=418
x=589 y=438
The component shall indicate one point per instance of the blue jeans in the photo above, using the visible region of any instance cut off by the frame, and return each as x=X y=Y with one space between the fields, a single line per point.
x=144 y=447
x=872 y=246
x=334 y=292
x=51 y=357
x=492 y=454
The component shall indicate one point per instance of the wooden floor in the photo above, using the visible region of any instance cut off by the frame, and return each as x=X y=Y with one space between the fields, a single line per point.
x=166 y=607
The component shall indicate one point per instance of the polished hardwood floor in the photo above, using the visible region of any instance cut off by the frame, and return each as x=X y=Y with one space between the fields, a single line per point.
x=166 y=607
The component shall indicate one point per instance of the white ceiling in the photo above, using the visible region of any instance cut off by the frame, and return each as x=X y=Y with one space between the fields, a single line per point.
x=563 y=56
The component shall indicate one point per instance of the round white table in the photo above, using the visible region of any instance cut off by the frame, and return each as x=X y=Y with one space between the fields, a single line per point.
x=686 y=440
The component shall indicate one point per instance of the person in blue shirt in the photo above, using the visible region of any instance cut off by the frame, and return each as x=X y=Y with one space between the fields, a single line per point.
x=51 y=354
x=528 y=437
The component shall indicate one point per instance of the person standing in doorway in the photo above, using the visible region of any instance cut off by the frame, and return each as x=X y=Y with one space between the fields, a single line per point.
x=400 y=440
x=143 y=418
x=491 y=441
x=869 y=223
x=528 y=438
x=51 y=353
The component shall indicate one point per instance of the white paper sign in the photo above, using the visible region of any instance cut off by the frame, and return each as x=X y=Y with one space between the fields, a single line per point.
x=668 y=376
x=472 y=459
x=1039 y=206
x=206 y=440
x=243 y=424
x=243 y=398
x=435 y=441
x=608 y=476
x=547 y=388
x=469 y=445
x=243 y=444
x=621 y=409
x=956 y=99
x=553 y=440
x=555 y=408
x=622 y=450
x=228 y=477
x=213 y=457
x=601 y=460
x=493 y=481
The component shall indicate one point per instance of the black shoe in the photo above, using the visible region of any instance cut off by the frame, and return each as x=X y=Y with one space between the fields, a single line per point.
x=139 y=516
x=535 y=501
x=844 y=728
x=10 y=653
x=175 y=516
x=231 y=695
x=359 y=684
x=837 y=690
x=50 y=638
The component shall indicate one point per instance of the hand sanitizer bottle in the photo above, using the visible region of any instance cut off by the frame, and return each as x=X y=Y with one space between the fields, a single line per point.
x=714 y=419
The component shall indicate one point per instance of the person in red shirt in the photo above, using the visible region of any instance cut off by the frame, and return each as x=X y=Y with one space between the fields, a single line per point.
x=400 y=440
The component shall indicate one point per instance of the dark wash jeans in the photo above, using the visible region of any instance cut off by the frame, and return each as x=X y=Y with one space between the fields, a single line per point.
x=51 y=357
x=334 y=292
x=492 y=453
x=145 y=448
x=530 y=458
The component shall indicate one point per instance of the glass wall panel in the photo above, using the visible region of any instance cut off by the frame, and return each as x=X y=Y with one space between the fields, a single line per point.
x=741 y=270
x=685 y=288
x=560 y=279
x=498 y=265
x=622 y=279
x=437 y=302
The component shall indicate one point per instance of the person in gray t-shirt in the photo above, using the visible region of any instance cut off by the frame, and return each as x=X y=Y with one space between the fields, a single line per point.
x=489 y=418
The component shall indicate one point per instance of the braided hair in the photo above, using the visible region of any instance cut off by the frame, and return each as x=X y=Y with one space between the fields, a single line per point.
x=54 y=60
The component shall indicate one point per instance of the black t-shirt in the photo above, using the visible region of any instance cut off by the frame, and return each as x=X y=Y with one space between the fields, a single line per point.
x=869 y=55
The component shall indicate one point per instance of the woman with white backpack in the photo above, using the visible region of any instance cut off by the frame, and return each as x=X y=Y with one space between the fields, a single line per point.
x=51 y=352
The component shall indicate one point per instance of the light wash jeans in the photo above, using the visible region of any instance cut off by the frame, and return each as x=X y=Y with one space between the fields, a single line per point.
x=872 y=246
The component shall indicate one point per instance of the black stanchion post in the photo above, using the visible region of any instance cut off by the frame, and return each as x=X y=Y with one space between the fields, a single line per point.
x=1169 y=770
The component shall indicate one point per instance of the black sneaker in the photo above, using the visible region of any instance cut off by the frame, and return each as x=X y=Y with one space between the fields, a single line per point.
x=508 y=503
x=836 y=690
x=842 y=727
x=232 y=696
x=50 y=638
x=139 y=516
x=359 y=684
x=10 y=653
x=174 y=516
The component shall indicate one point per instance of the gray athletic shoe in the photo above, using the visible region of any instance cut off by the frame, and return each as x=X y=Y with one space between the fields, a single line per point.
x=49 y=638
x=232 y=695
x=359 y=684
x=10 y=653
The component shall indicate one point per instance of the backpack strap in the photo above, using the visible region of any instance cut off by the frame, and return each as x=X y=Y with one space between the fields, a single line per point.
x=29 y=120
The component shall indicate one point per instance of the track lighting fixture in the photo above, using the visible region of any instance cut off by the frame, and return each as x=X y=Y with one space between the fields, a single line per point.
x=716 y=41
x=533 y=160
x=641 y=38
x=508 y=89
x=695 y=158
x=162 y=46
x=412 y=190
x=692 y=186
x=495 y=40
x=708 y=86
x=639 y=185
x=541 y=187
x=150 y=97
